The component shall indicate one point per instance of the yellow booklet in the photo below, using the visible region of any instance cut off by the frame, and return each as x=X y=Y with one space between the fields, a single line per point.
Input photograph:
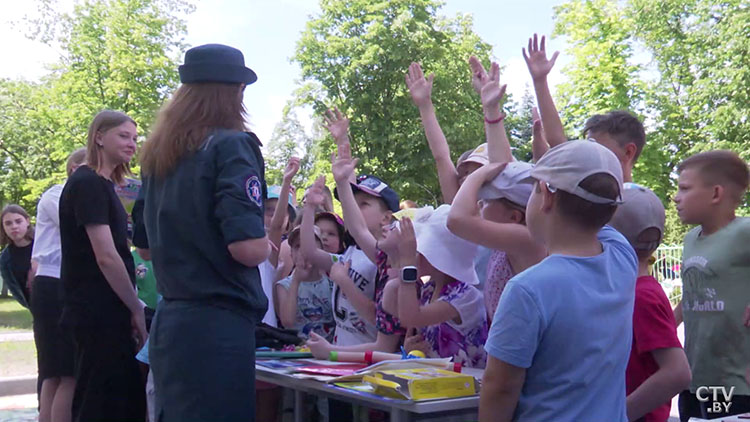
x=422 y=384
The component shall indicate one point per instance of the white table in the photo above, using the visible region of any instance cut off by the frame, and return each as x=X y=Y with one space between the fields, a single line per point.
x=400 y=410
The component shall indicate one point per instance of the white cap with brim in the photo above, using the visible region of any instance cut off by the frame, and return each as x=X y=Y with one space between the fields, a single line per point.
x=445 y=251
x=509 y=184
x=565 y=166
x=479 y=156
x=641 y=210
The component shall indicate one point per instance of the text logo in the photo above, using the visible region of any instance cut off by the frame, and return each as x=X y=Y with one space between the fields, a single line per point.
x=720 y=398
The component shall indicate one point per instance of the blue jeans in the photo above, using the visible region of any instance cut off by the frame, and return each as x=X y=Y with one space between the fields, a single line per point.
x=203 y=360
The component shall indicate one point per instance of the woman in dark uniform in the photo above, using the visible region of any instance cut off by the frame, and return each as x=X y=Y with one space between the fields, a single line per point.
x=204 y=190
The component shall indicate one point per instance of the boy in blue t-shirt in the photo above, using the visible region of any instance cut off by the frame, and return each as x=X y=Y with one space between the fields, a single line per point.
x=560 y=340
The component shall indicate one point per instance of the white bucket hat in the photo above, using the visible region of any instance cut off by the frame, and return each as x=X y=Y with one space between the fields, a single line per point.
x=445 y=251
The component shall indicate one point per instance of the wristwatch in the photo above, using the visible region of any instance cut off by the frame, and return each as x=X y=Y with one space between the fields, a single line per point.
x=409 y=274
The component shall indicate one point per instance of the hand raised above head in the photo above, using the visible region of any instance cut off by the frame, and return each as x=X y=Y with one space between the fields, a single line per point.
x=292 y=167
x=315 y=196
x=492 y=92
x=343 y=165
x=536 y=59
x=337 y=124
x=420 y=87
x=478 y=74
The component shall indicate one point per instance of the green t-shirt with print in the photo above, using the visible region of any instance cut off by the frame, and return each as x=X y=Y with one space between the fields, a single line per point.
x=716 y=291
x=145 y=280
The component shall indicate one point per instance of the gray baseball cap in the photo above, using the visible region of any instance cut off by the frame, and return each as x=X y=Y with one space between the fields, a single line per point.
x=641 y=210
x=509 y=184
x=565 y=166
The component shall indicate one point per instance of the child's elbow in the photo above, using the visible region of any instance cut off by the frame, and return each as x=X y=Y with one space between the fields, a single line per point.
x=682 y=379
x=453 y=222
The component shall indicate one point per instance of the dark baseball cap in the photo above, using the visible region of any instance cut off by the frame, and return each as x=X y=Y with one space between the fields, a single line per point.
x=374 y=186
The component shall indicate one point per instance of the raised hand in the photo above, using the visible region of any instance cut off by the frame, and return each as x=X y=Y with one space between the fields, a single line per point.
x=343 y=166
x=419 y=87
x=478 y=74
x=337 y=124
x=407 y=246
x=315 y=196
x=292 y=167
x=492 y=92
x=536 y=59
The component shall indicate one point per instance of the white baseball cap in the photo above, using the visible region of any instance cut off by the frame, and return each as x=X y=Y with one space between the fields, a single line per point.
x=509 y=184
x=445 y=251
x=565 y=166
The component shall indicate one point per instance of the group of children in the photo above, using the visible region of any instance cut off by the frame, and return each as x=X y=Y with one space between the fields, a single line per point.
x=539 y=273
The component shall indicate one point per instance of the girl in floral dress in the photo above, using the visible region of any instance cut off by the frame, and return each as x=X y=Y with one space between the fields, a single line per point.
x=449 y=311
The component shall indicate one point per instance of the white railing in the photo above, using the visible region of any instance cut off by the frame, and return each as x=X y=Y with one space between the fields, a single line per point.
x=666 y=269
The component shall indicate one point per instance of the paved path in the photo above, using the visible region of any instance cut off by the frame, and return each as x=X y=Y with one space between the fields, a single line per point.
x=19 y=336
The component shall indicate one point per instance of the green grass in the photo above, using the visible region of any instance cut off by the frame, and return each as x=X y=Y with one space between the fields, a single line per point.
x=17 y=358
x=13 y=317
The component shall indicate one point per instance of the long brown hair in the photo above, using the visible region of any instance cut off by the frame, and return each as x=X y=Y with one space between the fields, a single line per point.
x=14 y=209
x=184 y=122
x=104 y=121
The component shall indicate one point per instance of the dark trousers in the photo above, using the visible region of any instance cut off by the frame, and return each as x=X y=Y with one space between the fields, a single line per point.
x=203 y=361
x=54 y=345
x=108 y=380
x=691 y=407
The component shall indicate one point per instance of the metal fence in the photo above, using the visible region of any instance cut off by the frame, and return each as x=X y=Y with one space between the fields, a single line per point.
x=666 y=269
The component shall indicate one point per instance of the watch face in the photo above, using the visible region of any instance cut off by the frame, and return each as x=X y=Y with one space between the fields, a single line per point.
x=409 y=274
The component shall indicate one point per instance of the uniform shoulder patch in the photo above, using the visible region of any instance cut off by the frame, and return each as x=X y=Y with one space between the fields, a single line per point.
x=254 y=190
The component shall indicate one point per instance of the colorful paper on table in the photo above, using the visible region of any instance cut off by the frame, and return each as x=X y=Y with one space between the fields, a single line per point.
x=422 y=384
x=333 y=371
x=441 y=363
x=282 y=355
x=282 y=364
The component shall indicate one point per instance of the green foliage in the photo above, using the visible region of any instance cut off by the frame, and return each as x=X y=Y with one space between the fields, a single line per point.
x=359 y=51
x=116 y=54
x=694 y=93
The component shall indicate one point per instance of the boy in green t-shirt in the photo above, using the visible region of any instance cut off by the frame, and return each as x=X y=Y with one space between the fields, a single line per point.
x=145 y=281
x=716 y=284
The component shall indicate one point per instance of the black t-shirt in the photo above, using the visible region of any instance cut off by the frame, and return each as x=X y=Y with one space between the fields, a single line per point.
x=20 y=262
x=89 y=199
x=214 y=197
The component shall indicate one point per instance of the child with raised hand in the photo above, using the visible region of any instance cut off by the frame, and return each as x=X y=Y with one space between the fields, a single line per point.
x=498 y=147
x=619 y=131
x=658 y=369
x=449 y=311
x=305 y=296
x=353 y=299
x=277 y=223
x=539 y=67
x=715 y=274
x=560 y=339
x=420 y=89
x=500 y=225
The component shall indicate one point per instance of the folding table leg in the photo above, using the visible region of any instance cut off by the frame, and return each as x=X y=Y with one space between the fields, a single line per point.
x=398 y=415
x=299 y=406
